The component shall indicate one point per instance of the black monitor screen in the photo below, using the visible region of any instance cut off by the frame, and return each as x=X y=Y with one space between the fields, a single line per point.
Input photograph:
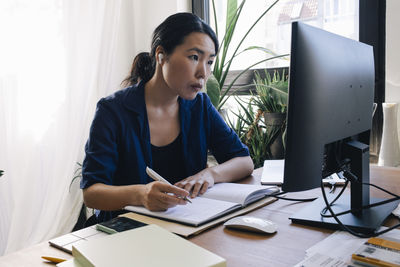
x=331 y=91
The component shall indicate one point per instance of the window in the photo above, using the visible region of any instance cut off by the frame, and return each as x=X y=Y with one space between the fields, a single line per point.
x=274 y=30
x=32 y=61
x=363 y=20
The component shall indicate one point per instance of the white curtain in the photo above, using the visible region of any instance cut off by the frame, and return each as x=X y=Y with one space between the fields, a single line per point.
x=392 y=90
x=57 y=58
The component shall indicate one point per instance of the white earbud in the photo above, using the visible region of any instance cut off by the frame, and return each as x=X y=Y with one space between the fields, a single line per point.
x=160 y=57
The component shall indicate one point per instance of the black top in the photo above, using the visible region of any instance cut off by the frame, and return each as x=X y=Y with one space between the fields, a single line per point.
x=168 y=160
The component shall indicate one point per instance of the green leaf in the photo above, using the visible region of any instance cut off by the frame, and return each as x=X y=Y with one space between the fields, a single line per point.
x=259 y=48
x=222 y=62
x=215 y=18
x=231 y=12
x=77 y=174
x=223 y=99
x=272 y=92
x=222 y=80
x=213 y=90
x=230 y=29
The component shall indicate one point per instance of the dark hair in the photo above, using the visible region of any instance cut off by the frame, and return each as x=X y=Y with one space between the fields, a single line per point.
x=140 y=70
x=169 y=34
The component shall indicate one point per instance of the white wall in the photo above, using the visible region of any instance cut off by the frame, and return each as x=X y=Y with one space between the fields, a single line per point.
x=152 y=13
x=138 y=21
x=392 y=93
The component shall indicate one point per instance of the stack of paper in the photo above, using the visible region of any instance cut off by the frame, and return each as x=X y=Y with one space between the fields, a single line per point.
x=336 y=250
x=378 y=251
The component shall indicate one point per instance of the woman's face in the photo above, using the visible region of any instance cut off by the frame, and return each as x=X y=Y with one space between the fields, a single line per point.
x=187 y=69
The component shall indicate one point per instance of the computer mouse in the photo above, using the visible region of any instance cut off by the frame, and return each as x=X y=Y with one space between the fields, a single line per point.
x=252 y=224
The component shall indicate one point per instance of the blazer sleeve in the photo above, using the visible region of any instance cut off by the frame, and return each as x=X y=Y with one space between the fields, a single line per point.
x=101 y=157
x=224 y=142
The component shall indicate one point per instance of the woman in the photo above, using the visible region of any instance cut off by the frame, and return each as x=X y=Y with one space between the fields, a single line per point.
x=141 y=69
x=163 y=122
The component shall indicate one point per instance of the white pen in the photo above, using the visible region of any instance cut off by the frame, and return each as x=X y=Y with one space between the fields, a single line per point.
x=156 y=177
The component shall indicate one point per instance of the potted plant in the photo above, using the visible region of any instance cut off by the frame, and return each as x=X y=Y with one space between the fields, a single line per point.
x=271 y=99
x=250 y=127
x=216 y=88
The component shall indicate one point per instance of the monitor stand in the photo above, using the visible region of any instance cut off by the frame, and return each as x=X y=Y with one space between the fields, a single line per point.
x=365 y=221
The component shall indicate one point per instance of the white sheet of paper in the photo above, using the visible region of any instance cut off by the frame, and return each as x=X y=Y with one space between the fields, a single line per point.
x=321 y=260
x=199 y=210
x=273 y=172
x=233 y=192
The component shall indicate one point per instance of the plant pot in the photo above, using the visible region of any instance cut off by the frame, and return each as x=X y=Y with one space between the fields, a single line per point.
x=275 y=124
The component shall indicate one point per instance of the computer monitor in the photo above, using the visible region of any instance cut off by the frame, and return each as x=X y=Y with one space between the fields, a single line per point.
x=331 y=93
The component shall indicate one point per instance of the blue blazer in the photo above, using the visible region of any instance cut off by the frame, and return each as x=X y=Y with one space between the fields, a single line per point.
x=118 y=149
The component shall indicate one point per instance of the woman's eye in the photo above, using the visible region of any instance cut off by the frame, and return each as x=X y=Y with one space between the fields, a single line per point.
x=194 y=57
x=210 y=62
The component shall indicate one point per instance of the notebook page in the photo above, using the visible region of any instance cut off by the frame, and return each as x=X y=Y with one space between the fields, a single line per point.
x=238 y=193
x=199 y=211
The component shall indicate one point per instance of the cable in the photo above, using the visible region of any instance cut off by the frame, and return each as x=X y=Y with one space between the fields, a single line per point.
x=355 y=180
x=292 y=199
x=322 y=213
x=362 y=235
x=380 y=188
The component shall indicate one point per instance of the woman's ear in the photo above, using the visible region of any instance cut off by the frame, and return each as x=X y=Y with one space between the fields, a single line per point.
x=160 y=54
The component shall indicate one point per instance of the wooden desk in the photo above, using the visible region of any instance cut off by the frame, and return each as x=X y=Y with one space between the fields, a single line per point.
x=285 y=248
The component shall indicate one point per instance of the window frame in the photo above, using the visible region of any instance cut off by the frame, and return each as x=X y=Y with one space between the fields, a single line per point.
x=372 y=31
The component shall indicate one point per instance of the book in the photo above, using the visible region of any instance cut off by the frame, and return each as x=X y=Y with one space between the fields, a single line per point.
x=273 y=172
x=118 y=224
x=70 y=263
x=149 y=245
x=66 y=241
x=112 y=226
x=378 y=252
x=217 y=201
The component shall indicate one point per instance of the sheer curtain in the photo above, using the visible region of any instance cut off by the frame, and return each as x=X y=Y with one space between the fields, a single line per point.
x=57 y=58
x=392 y=90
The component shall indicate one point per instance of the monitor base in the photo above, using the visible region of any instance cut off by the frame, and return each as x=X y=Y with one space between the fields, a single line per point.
x=366 y=222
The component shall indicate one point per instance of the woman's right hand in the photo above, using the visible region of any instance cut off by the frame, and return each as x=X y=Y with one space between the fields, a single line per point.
x=158 y=196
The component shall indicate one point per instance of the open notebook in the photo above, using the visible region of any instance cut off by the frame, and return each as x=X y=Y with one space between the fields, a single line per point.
x=219 y=200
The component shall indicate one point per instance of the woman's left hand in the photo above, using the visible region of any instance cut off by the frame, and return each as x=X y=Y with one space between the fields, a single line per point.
x=197 y=184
